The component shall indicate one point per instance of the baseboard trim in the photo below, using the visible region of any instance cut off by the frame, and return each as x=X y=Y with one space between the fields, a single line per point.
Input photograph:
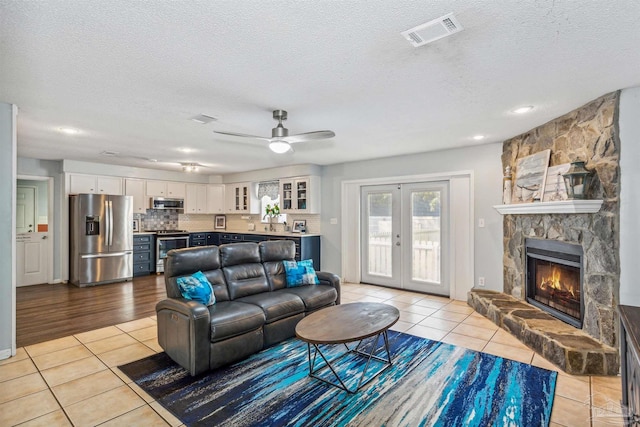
x=5 y=354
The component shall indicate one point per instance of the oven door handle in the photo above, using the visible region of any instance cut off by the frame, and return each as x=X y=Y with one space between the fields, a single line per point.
x=173 y=238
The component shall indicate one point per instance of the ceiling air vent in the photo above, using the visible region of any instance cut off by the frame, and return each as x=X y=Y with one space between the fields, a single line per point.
x=433 y=30
x=109 y=153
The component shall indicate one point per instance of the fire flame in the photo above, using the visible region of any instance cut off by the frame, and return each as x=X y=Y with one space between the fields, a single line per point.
x=554 y=282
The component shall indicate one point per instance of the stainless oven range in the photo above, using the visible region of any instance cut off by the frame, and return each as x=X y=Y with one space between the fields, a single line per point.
x=167 y=240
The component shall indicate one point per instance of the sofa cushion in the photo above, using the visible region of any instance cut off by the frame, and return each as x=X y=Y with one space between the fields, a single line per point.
x=197 y=288
x=230 y=318
x=239 y=253
x=277 y=250
x=300 y=273
x=180 y=262
x=276 y=305
x=315 y=297
x=245 y=279
x=276 y=276
x=272 y=253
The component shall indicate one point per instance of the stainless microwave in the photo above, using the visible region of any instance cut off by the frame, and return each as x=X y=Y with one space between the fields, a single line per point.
x=166 y=203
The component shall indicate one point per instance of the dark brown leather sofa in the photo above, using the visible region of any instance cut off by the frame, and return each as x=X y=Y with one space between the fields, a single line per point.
x=254 y=309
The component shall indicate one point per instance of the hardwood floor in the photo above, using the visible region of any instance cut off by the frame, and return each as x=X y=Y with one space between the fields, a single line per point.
x=46 y=312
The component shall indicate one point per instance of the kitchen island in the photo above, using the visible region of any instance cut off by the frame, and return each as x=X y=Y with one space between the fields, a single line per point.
x=307 y=245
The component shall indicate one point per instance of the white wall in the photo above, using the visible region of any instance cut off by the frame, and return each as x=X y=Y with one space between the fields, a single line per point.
x=629 y=123
x=7 y=230
x=483 y=160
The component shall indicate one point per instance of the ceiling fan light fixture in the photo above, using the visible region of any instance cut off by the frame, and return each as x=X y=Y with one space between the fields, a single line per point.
x=280 y=147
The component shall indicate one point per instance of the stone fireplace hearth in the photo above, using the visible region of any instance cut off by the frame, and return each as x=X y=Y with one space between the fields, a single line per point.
x=589 y=346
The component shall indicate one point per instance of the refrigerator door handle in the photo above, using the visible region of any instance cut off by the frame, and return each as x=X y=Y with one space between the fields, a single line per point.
x=107 y=223
x=114 y=254
x=110 y=223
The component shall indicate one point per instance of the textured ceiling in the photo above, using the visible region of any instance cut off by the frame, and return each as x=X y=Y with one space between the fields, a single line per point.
x=129 y=75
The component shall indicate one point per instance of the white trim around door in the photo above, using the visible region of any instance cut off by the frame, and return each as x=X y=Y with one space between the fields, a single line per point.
x=461 y=230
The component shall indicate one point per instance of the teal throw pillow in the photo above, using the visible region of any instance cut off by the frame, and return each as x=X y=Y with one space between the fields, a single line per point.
x=197 y=288
x=300 y=273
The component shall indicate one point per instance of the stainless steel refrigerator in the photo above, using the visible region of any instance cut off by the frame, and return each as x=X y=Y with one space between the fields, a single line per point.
x=101 y=239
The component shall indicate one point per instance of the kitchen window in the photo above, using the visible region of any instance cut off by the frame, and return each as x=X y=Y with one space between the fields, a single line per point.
x=269 y=194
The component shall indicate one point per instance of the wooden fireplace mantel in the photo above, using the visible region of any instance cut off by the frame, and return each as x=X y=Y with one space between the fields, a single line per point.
x=561 y=207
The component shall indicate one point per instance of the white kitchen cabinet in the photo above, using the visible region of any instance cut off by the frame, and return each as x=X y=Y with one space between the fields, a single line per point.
x=135 y=187
x=241 y=198
x=195 y=201
x=300 y=195
x=215 y=198
x=95 y=184
x=174 y=190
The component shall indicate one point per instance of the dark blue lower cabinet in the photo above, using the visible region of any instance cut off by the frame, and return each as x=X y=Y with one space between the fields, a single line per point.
x=144 y=259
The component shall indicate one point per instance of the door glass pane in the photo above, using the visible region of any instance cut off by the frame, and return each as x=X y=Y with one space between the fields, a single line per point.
x=379 y=234
x=425 y=236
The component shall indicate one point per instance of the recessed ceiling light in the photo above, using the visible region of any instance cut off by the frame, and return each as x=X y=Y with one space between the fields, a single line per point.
x=69 y=131
x=203 y=119
x=185 y=149
x=109 y=153
x=478 y=137
x=522 y=110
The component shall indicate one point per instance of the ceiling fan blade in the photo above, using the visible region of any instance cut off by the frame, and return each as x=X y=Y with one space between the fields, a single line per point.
x=309 y=136
x=242 y=135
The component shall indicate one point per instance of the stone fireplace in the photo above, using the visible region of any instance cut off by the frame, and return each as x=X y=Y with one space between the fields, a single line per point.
x=554 y=279
x=582 y=286
x=590 y=134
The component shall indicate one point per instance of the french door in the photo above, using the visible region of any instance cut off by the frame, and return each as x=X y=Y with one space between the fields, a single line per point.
x=405 y=236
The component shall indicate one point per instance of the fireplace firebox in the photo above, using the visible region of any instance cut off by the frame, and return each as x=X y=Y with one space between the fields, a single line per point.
x=554 y=279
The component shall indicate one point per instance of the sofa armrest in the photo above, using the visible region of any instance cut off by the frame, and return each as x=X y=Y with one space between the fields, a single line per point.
x=330 y=279
x=184 y=329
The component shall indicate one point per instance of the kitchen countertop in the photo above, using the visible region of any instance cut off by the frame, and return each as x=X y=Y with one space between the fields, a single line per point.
x=258 y=232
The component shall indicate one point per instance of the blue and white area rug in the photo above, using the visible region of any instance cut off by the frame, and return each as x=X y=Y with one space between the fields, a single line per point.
x=429 y=384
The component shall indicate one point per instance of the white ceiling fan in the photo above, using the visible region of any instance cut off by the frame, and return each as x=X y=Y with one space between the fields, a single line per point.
x=280 y=141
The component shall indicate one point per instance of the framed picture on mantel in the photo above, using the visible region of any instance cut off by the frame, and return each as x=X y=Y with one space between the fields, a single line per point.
x=531 y=174
x=554 y=189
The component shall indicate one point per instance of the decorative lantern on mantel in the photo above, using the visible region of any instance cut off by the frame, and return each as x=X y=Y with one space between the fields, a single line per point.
x=577 y=180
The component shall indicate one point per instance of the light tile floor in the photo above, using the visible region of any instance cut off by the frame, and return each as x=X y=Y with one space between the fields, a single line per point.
x=75 y=380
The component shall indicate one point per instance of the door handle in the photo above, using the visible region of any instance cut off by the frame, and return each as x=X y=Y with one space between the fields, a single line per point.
x=44 y=237
x=397 y=243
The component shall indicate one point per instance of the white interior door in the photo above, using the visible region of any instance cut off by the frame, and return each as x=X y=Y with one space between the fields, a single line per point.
x=31 y=246
x=404 y=232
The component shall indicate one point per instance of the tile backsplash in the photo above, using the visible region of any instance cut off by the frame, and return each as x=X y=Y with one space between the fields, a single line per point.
x=155 y=219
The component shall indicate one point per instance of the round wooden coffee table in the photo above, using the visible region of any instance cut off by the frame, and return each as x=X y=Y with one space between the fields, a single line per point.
x=343 y=324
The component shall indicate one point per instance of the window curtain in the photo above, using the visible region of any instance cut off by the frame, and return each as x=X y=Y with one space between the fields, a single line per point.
x=269 y=188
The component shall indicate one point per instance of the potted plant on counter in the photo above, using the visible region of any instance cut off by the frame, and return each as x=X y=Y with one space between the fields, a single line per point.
x=271 y=213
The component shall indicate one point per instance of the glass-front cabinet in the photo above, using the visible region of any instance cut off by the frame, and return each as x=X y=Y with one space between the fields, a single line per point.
x=241 y=198
x=300 y=195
